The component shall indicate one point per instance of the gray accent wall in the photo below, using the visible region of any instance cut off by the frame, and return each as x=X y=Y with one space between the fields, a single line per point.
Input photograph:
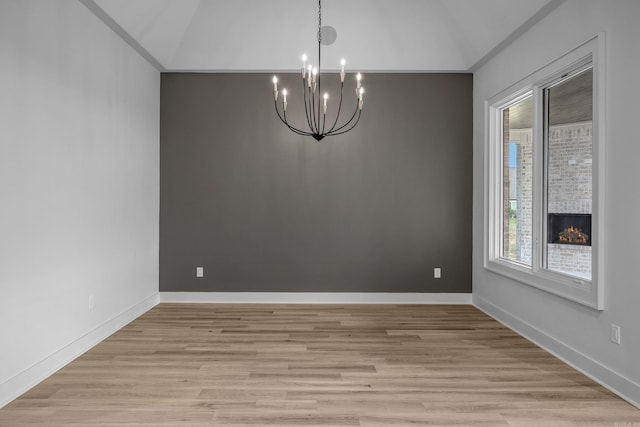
x=263 y=209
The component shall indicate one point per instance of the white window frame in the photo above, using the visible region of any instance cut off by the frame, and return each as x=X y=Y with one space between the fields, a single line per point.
x=589 y=293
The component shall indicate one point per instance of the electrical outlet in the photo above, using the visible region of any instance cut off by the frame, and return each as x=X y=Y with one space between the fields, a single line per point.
x=199 y=271
x=437 y=273
x=91 y=302
x=615 y=334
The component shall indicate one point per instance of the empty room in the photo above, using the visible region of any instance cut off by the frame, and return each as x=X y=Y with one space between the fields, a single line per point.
x=319 y=213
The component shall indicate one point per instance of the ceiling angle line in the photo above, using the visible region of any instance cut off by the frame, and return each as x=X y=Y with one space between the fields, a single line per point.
x=537 y=17
x=123 y=34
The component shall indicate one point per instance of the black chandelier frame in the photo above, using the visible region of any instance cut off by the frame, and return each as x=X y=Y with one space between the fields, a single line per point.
x=314 y=108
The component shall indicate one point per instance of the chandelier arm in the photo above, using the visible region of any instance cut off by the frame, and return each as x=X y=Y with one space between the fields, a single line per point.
x=347 y=130
x=334 y=132
x=294 y=129
x=319 y=89
x=306 y=110
x=315 y=127
x=283 y=120
x=319 y=95
x=324 y=122
x=286 y=123
x=298 y=131
x=339 y=109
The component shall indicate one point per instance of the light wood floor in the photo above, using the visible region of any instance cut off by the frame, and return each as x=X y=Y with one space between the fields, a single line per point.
x=317 y=365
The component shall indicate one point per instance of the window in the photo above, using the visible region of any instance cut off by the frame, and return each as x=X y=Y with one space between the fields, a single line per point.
x=517 y=180
x=568 y=161
x=544 y=178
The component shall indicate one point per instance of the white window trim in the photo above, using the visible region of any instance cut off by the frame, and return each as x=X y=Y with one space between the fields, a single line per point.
x=589 y=293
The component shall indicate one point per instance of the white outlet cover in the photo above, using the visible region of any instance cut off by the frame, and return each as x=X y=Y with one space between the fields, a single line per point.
x=199 y=271
x=615 y=334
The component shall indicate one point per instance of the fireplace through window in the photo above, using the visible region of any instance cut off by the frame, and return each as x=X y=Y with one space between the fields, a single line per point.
x=569 y=229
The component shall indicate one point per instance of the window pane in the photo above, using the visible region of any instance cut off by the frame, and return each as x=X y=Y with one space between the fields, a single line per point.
x=517 y=180
x=569 y=107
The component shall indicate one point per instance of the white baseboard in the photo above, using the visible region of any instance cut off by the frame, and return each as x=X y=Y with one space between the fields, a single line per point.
x=25 y=380
x=624 y=387
x=314 y=298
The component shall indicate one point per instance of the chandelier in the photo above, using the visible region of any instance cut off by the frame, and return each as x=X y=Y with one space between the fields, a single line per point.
x=316 y=103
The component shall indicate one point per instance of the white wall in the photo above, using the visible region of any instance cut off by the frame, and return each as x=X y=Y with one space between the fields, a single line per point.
x=79 y=159
x=576 y=333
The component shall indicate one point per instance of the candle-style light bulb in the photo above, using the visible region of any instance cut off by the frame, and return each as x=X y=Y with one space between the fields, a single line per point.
x=284 y=99
x=309 y=68
x=358 y=80
x=314 y=73
x=304 y=64
x=361 y=98
x=275 y=88
x=342 y=64
x=324 y=107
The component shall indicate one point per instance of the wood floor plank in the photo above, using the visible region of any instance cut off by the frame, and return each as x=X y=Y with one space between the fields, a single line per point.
x=317 y=365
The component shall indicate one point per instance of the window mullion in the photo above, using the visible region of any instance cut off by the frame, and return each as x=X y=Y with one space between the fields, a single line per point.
x=539 y=181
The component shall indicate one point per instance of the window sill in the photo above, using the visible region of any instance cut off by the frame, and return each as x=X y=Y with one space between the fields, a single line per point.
x=573 y=289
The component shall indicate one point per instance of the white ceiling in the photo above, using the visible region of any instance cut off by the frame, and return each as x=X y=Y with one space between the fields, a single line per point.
x=373 y=35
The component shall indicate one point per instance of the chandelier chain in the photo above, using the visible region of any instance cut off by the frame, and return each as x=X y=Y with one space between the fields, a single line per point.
x=319 y=21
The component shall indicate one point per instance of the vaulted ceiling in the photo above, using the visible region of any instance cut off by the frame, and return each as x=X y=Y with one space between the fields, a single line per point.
x=373 y=35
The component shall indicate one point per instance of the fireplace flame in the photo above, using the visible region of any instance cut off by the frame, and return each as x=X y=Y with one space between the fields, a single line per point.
x=572 y=234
